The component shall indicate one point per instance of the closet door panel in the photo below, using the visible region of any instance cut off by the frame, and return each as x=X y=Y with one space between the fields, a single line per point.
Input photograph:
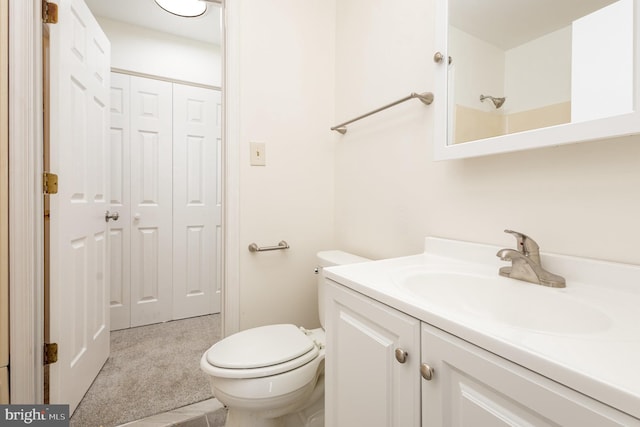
x=196 y=208
x=151 y=201
x=120 y=231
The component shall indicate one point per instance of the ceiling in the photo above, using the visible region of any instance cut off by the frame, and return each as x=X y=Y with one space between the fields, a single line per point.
x=510 y=23
x=145 y=13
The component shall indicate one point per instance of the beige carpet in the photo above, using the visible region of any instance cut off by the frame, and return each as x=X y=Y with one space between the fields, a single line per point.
x=151 y=369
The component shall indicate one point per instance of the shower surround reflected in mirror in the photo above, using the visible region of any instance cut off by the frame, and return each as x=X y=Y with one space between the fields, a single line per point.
x=555 y=62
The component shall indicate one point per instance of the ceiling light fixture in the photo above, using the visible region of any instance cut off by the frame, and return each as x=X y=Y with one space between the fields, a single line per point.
x=184 y=8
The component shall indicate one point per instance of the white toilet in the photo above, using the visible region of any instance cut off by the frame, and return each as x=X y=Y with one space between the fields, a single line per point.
x=274 y=375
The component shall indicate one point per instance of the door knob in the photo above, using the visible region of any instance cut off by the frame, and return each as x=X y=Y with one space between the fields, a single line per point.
x=401 y=355
x=438 y=57
x=426 y=371
x=136 y=216
x=113 y=216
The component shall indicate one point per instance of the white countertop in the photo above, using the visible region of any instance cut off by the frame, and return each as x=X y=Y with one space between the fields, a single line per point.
x=600 y=360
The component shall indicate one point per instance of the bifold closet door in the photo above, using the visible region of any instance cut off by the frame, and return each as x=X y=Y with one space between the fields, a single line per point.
x=165 y=162
x=120 y=230
x=196 y=201
x=151 y=201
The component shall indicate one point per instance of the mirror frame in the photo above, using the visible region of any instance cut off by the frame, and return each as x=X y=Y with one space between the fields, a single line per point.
x=592 y=130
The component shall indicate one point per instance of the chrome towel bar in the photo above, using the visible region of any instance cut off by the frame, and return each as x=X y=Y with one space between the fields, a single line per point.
x=281 y=245
x=426 y=98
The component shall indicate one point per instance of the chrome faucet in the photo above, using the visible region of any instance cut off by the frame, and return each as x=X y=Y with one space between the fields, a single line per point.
x=526 y=264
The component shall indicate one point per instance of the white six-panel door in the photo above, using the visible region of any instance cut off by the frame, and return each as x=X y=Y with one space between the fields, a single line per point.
x=151 y=201
x=166 y=254
x=79 y=275
x=196 y=204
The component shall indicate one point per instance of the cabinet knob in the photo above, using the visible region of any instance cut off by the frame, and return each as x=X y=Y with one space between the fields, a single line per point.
x=426 y=371
x=401 y=355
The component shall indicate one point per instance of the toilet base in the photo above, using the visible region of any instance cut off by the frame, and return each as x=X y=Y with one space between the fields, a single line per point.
x=310 y=414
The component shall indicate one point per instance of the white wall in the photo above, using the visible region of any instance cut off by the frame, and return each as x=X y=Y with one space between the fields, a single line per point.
x=576 y=199
x=538 y=73
x=533 y=75
x=479 y=70
x=146 y=51
x=286 y=100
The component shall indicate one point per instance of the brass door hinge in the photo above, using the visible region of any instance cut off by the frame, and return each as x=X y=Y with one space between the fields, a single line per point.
x=49 y=183
x=50 y=353
x=49 y=12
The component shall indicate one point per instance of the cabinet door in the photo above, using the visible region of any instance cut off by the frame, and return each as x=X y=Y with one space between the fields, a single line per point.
x=365 y=384
x=471 y=387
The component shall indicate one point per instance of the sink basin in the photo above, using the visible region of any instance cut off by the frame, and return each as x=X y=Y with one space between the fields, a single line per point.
x=507 y=301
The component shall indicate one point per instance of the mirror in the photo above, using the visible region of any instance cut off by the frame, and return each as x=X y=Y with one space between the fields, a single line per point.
x=532 y=73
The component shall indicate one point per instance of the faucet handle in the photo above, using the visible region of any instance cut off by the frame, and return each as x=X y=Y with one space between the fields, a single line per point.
x=526 y=246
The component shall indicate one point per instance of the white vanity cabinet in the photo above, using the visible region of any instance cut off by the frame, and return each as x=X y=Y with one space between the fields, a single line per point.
x=472 y=387
x=367 y=385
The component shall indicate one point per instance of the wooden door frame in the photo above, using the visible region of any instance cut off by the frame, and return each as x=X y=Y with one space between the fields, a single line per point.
x=25 y=201
x=26 y=235
x=230 y=166
x=4 y=187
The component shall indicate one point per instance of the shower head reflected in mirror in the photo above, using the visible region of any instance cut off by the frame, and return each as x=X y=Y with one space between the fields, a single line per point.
x=497 y=102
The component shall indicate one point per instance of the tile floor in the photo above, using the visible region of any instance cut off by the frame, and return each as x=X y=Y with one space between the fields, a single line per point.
x=209 y=413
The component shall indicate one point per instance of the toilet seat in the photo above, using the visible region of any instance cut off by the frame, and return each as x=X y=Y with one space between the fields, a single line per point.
x=262 y=351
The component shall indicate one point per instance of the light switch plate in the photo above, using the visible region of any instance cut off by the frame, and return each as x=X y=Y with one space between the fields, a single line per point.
x=258 y=154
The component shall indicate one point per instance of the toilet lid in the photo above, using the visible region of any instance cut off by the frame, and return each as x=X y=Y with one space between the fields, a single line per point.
x=262 y=347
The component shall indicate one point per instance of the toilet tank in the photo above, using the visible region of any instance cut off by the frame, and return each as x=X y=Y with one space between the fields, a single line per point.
x=328 y=259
